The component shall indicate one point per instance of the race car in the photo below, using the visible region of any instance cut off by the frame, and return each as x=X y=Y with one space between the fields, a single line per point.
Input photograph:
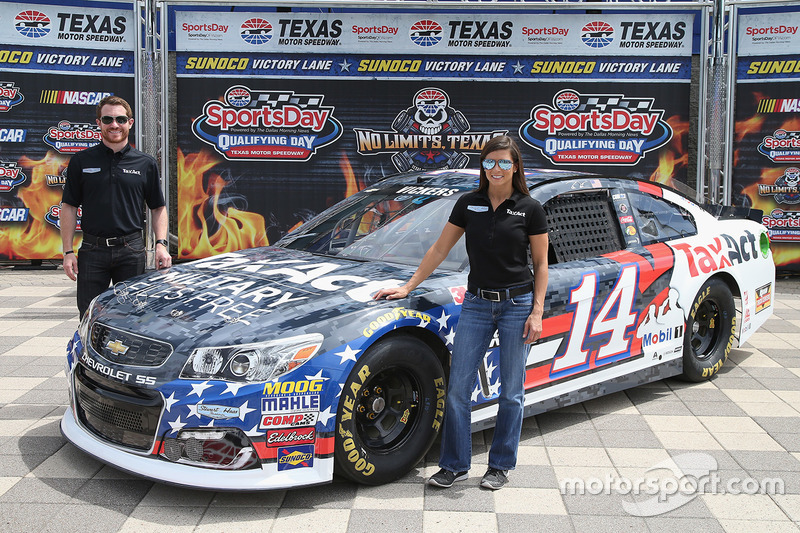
x=273 y=367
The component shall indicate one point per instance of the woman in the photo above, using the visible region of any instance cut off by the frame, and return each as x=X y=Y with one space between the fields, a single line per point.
x=501 y=222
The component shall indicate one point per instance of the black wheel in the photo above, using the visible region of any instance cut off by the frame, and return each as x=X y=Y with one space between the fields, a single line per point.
x=710 y=331
x=390 y=411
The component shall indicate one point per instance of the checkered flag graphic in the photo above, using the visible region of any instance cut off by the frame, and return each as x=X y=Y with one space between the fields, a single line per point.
x=308 y=419
x=605 y=102
x=277 y=99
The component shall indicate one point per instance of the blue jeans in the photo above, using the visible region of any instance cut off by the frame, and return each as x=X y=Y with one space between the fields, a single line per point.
x=479 y=319
x=99 y=265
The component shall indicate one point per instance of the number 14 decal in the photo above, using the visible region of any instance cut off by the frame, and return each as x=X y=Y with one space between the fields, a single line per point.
x=608 y=336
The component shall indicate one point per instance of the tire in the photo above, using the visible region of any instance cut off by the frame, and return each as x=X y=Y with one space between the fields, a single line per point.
x=710 y=331
x=390 y=411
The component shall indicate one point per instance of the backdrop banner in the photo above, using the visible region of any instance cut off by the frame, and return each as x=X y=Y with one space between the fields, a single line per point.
x=767 y=132
x=280 y=115
x=56 y=64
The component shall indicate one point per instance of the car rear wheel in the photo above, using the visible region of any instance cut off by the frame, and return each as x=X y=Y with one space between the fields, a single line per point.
x=710 y=331
x=390 y=411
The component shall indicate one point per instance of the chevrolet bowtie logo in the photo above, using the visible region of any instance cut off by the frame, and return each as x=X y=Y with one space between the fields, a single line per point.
x=116 y=347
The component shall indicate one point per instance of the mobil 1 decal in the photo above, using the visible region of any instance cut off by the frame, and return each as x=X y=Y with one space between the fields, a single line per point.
x=591 y=129
x=431 y=134
x=257 y=125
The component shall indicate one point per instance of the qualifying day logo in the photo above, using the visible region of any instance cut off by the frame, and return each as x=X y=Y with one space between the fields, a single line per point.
x=53 y=216
x=782 y=226
x=267 y=125
x=587 y=129
x=429 y=135
x=781 y=147
x=9 y=96
x=786 y=189
x=70 y=138
x=11 y=175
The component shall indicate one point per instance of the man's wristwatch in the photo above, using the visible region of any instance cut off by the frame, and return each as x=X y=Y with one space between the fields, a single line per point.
x=164 y=242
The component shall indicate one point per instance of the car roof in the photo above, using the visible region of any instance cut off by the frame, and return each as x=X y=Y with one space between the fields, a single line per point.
x=469 y=177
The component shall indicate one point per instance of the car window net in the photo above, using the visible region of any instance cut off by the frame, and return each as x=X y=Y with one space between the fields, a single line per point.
x=582 y=225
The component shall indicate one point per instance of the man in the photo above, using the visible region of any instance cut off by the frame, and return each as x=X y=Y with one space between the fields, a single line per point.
x=112 y=181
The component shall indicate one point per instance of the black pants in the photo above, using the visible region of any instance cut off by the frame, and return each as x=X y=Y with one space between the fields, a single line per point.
x=98 y=265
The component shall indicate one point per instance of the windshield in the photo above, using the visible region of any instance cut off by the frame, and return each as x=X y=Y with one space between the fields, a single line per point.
x=397 y=223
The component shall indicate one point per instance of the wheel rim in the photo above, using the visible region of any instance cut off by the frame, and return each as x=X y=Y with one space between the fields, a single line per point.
x=387 y=409
x=705 y=329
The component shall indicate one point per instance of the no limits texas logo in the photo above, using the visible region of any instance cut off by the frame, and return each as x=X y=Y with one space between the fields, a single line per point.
x=9 y=96
x=69 y=138
x=786 y=189
x=429 y=135
x=587 y=129
x=267 y=125
x=782 y=146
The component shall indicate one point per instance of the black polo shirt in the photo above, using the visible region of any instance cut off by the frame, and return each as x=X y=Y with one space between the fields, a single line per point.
x=112 y=189
x=497 y=241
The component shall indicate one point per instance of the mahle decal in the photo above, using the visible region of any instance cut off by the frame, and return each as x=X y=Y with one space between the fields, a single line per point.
x=591 y=129
x=267 y=125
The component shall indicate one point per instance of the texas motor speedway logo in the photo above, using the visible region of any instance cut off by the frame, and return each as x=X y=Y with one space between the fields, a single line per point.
x=267 y=125
x=587 y=129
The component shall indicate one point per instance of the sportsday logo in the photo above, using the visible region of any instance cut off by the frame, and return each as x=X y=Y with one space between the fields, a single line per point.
x=267 y=125
x=69 y=138
x=781 y=147
x=586 y=129
x=11 y=175
x=9 y=96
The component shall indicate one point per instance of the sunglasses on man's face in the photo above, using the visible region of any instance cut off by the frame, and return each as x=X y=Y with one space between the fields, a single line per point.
x=505 y=164
x=122 y=119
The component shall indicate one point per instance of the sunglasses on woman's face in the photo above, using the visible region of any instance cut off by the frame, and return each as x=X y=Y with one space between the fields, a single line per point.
x=505 y=164
x=121 y=119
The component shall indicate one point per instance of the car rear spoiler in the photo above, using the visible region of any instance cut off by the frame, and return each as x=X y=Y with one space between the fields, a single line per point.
x=733 y=211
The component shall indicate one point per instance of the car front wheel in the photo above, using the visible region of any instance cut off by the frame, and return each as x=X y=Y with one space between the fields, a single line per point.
x=390 y=411
x=710 y=331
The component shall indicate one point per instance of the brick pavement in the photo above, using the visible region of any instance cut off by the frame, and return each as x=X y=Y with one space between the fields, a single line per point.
x=744 y=424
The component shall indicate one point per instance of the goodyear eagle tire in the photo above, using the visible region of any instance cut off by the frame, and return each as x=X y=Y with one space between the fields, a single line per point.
x=390 y=411
x=710 y=331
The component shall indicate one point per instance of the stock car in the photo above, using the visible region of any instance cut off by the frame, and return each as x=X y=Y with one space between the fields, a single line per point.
x=273 y=368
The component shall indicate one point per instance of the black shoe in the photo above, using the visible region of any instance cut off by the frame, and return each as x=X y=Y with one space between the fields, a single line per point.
x=494 y=479
x=445 y=478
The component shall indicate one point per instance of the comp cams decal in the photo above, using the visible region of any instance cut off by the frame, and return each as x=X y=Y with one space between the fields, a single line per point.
x=429 y=135
x=587 y=129
x=267 y=125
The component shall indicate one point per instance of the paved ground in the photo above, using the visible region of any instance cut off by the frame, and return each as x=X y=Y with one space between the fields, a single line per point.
x=741 y=429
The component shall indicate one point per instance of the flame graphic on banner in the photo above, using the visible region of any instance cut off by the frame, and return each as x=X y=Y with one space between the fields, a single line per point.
x=37 y=239
x=235 y=229
x=674 y=156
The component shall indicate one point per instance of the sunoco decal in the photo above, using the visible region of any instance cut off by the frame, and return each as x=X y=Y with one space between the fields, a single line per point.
x=9 y=96
x=69 y=138
x=781 y=147
x=267 y=125
x=429 y=135
x=587 y=129
x=11 y=176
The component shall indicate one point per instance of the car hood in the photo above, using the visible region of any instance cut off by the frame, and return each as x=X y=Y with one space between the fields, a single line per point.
x=246 y=296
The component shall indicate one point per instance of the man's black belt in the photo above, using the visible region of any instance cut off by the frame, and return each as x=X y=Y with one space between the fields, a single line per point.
x=497 y=295
x=111 y=241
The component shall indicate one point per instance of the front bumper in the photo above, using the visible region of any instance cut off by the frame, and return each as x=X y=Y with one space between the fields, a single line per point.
x=265 y=478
